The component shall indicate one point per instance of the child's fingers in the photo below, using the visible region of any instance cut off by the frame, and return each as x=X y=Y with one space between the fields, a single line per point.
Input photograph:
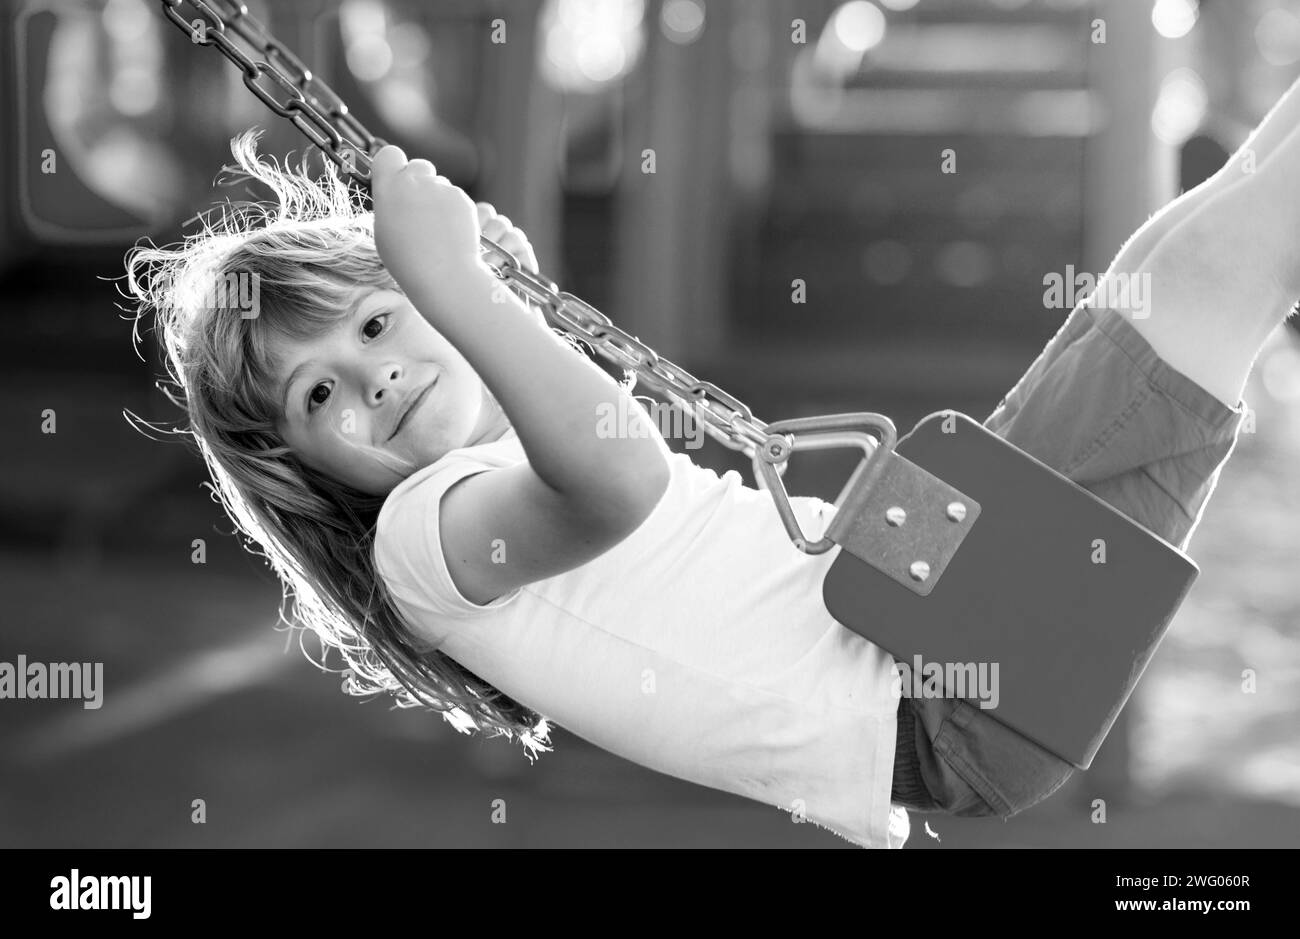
x=385 y=164
x=498 y=228
x=522 y=251
x=487 y=215
x=495 y=229
x=485 y=212
x=516 y=245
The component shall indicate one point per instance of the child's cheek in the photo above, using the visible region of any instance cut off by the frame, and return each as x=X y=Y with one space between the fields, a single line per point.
x=352 y=441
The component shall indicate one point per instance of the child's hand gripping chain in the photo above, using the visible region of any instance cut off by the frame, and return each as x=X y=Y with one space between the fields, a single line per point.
x=579 y=491
x=425 y=227
x=500 y=229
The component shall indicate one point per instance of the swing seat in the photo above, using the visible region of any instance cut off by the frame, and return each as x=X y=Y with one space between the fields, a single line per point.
x=1019 y=567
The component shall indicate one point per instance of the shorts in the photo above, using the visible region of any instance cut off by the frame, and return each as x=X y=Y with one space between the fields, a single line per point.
x=1101 y=408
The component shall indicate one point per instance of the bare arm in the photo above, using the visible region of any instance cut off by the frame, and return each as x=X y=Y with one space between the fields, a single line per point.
x=552 y=396
x=578 y=495
x=580 y=492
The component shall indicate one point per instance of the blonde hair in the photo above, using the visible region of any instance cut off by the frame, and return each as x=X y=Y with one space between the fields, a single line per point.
x=311 y=251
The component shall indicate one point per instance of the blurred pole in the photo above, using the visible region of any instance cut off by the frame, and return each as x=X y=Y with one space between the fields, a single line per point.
x=672 y=226
x=522 y=127
x=1125 y=179
x=9 y=222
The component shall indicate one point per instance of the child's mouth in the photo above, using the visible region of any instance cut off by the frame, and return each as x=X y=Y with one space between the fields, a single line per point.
x=415 y=403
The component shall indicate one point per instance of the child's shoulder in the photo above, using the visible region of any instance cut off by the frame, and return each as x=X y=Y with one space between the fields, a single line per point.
x=505 y=451
x=419 y=493
x=403 y=550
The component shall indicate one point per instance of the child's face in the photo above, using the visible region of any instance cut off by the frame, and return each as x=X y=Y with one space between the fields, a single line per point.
x=349 y=388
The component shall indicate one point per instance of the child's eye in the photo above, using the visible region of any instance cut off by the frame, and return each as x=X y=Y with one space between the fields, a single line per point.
x=382 y=319
x=313 y=399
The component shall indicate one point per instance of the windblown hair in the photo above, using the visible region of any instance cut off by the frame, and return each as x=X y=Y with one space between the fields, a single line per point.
x=311 y=251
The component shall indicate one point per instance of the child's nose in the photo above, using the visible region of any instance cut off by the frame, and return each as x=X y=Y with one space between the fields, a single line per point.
x=388 y=376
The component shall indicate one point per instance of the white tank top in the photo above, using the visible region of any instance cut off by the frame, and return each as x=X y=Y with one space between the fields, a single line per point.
x=699 y=646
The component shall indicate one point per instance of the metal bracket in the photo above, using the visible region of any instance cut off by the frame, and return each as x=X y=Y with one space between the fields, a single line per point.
x=892 y=514
x=905 y=522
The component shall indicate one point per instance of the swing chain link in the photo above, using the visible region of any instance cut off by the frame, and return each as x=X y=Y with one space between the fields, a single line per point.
x=322 y=116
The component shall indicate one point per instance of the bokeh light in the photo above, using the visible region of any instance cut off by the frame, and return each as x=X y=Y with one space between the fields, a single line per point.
x=410 y=47
x=1278 y=37
x=858 y=25
x=1281 y=374
x=590 y=43
x=1174 y=19
x=126 y=20
x=1180 y=108
x=365 y=34
x=370 y=57
x=682 y=21
x=852 y=30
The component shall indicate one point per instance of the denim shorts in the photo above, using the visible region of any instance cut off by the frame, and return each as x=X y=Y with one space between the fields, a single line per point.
x=1101 y=408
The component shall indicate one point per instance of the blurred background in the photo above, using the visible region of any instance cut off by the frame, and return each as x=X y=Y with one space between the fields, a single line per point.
x=791 y=139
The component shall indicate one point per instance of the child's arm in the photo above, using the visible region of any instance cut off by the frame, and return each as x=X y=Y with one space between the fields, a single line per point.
x=579 y=493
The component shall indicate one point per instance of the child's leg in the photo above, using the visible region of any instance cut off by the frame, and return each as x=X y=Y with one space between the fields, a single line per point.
x=1226 y=274
x=1143 y=413
x=1103 y=409
x=954 y=758
x=1259 y=148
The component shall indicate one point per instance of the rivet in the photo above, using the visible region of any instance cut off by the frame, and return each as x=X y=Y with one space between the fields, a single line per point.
x=919 y=570
x=956 y=511
x=895 y=516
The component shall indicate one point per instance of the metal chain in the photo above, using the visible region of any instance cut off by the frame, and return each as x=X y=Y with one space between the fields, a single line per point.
x=324 y=119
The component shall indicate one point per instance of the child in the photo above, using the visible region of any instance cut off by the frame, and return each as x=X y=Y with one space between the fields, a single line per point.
x=423 y=464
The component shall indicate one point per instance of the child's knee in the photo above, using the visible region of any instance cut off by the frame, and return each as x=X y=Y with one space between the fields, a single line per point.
x=1047 y=786
x=1030 y=791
